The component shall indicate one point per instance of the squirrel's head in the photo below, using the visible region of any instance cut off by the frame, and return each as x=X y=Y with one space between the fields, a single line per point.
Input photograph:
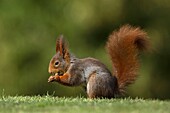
x=61 y=60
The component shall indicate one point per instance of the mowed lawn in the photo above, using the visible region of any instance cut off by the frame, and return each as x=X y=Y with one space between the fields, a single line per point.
x=49 y=104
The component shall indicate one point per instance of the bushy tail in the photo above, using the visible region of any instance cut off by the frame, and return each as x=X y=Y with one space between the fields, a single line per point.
x=124 y=47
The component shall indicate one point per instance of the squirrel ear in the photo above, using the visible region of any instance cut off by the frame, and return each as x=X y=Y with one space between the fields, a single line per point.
x=61 y=46
x=58 y=43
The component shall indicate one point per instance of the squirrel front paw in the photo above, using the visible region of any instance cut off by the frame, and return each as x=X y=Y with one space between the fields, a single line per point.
x=53 y=78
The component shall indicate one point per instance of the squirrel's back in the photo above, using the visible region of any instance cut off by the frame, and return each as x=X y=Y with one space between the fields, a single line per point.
x=124 y=47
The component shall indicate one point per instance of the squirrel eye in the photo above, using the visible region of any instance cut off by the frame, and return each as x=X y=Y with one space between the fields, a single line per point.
x=56 y=63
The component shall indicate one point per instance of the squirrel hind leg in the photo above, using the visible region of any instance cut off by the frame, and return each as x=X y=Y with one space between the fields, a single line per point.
x=101 y=86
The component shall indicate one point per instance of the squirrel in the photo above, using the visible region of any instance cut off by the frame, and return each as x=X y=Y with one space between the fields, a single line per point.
x=123 y=47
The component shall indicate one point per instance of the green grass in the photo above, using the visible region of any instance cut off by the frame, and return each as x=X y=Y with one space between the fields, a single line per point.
x=47 y=104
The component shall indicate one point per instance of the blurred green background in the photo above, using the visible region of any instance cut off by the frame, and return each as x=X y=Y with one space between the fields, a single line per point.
x=28 y=31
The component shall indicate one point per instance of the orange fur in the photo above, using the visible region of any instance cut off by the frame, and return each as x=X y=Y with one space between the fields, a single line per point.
x=64 y=78
x=123 y=47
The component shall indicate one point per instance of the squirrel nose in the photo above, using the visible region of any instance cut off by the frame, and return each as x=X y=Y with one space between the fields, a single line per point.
x=50 y=70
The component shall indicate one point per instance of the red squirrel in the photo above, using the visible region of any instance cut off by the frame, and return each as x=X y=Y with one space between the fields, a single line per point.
x=123 y=46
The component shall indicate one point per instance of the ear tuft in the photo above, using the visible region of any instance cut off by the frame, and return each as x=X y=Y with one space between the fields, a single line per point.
x=58 y=43
x=61 y=47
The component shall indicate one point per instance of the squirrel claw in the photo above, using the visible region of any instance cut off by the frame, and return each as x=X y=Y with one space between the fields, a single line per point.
x=49 y=81
x=51 y=78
